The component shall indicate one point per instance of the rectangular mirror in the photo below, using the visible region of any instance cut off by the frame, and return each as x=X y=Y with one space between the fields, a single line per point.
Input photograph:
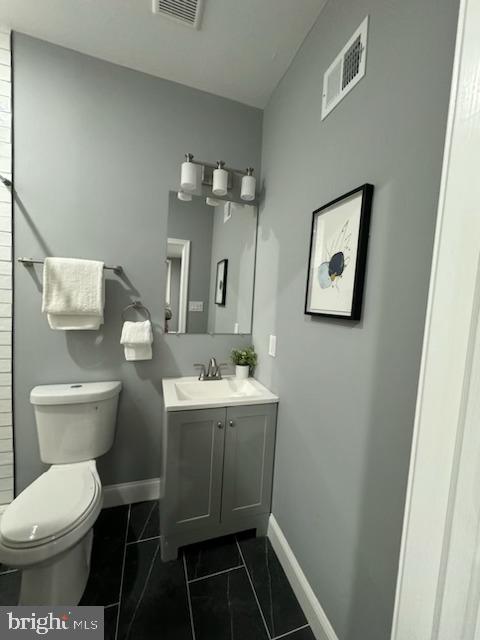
x=210 y=266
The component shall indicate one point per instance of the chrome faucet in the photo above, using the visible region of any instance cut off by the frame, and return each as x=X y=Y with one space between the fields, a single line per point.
x=212 y=372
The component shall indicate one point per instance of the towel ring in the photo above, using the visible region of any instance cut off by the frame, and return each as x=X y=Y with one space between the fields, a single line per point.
x=138 y=306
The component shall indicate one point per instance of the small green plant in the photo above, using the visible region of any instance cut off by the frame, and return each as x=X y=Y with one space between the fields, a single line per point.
x=245 y=357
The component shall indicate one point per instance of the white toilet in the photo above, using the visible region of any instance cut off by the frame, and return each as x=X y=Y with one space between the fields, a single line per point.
x=47 y=529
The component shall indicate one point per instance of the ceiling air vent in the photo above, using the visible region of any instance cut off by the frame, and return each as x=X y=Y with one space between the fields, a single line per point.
x=187 y=12
x=346 y=70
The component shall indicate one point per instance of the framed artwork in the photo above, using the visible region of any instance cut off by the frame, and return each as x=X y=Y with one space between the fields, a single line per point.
x=221 y=283
x=338 y=255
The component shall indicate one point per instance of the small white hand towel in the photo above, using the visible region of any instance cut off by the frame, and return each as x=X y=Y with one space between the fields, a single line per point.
x=73 y=293
x=137 y=338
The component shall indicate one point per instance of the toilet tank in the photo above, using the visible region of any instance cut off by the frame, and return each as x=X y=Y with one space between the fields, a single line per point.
x=75 y=422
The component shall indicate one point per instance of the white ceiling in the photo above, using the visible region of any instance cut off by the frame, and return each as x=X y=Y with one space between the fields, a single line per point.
x=241 y=50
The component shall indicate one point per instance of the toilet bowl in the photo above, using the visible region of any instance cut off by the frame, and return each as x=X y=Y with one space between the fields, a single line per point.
x=47 y=530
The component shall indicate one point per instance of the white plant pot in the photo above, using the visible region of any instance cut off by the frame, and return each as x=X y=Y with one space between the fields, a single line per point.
x=242 y=371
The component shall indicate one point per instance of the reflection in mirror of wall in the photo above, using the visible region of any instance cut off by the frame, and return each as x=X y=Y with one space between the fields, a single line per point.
x=210 y=267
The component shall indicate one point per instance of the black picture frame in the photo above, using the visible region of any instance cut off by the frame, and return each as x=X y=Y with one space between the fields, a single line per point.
x=221 y=283
x=355 y=311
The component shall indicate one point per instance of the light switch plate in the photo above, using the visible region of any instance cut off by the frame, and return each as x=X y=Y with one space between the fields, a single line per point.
x=194 y=305
x=272 y=346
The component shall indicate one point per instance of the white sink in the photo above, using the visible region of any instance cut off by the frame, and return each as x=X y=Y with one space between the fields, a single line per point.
x=192 y=393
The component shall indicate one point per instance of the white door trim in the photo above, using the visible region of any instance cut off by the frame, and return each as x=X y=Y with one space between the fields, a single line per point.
x=181 y=248
x=447 y=389
x=168 y=285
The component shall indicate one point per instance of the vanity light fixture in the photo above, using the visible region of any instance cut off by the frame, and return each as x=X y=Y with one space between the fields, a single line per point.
x=220 y=180
x=248 y=185
x=188 y=179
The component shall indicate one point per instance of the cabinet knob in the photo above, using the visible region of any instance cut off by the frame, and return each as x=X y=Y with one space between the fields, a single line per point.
x=220 y=425
x=231 y=423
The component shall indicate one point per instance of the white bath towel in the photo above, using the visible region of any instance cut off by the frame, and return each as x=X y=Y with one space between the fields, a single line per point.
x=74 y=323
x=73 y=293
x=137 y=338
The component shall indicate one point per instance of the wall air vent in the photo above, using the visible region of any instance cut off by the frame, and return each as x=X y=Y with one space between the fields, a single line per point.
x=187 y=12
x=346 y=70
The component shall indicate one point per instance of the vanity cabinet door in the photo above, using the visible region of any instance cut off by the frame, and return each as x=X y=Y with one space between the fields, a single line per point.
x=248 y=466
x=194 y=463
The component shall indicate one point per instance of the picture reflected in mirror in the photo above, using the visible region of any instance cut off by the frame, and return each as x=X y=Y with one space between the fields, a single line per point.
x=221 y=283
x=210 y=266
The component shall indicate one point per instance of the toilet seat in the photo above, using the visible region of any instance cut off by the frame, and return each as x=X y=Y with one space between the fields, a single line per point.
x=52 y=506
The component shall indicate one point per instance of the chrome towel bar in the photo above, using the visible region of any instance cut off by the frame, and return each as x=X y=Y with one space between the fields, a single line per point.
x=29 y=262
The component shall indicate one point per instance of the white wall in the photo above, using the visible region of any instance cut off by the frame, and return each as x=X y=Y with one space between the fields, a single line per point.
x=6 y=418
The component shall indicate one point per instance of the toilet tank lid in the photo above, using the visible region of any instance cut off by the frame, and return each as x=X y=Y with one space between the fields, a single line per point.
x=75 y=392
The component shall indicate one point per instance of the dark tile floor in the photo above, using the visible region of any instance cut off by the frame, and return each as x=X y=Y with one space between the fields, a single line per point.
x=229 y=588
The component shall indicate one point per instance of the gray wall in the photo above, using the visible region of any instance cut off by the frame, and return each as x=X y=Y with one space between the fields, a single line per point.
x=234 y=240
x=194 y=221
x=97 y=149
x=347 y=390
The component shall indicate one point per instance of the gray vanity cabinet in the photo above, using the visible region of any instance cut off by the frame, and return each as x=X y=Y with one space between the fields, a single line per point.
x=193 y=478
x=218 y=470
x=248 y=461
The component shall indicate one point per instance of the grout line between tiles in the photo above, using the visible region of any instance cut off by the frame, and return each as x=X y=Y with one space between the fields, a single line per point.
x=188 y=595
x=145 y=586
x=143 y=540
x=217 y=573
x=253 y=589
x=123 y=570
x=289 y=633
x=147 y=521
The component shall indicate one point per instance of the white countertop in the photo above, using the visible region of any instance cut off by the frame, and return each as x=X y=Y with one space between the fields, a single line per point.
x=191 y=393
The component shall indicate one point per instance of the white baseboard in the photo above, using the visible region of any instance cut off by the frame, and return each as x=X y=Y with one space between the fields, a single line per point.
x=316 y=616
x=129 y=492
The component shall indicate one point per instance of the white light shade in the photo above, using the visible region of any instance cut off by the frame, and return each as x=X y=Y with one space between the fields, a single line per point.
x=220 y=182
x=185 y=197
x=248 y=188
x=213 y=202
x=188 y=180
